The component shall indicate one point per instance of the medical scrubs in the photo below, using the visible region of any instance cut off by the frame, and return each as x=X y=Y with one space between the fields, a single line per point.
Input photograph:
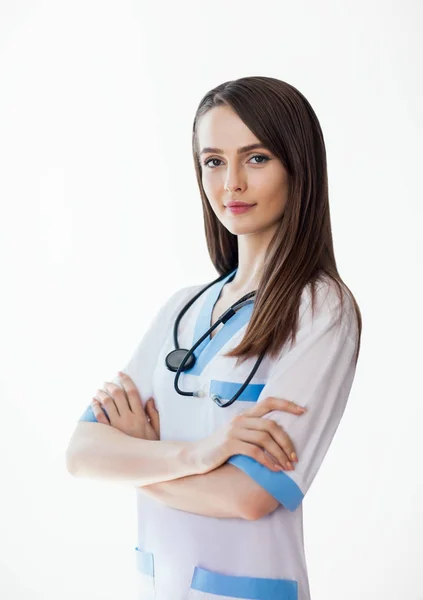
x=185 y=556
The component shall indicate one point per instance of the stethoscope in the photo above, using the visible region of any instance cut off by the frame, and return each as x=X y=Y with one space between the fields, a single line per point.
x=182 y=359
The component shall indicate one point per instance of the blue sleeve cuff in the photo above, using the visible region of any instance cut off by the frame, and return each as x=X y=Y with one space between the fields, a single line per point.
x=88 y=416
x=278 y=484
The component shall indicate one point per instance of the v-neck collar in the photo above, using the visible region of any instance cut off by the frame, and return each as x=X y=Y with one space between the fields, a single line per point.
x=210 y=346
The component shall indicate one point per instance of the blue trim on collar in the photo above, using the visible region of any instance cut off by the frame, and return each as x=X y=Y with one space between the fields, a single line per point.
x=210 y=347
x=240 y=318
x=277 y=483
x=248 y=588
x=228 y=389
x=204 y=317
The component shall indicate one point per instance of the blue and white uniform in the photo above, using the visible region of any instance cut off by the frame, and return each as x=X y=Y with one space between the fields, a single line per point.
x=185 y=556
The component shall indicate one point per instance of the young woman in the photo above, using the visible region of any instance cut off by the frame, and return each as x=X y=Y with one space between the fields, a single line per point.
x=220 y=454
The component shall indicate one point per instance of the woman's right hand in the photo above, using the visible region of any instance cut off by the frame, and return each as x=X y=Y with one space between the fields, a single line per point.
x=249 y=434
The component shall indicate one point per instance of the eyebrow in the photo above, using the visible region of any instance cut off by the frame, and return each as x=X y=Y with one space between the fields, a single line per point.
x=241 y=150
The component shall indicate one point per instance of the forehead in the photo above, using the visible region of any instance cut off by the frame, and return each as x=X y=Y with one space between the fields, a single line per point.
x=221 y=127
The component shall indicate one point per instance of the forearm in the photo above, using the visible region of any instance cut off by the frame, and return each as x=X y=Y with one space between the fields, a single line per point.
x=102 y=452
x=217 y=493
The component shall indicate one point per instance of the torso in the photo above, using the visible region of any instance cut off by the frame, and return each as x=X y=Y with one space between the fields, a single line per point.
x=176 y=554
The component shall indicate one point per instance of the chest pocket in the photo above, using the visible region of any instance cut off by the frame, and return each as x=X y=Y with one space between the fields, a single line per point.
x=225 y=390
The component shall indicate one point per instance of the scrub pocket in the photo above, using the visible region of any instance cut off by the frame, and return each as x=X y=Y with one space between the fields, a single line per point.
x=209 y=585
x=145 y=575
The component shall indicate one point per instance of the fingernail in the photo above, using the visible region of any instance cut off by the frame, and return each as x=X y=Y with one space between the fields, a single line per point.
x=294 y=456
x=301 y=409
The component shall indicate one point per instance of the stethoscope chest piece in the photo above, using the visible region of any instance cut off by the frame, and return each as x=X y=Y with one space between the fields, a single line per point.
x=174 y=360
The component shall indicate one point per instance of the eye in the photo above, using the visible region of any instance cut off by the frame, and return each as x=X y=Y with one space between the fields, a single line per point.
x=209 y=160
x=266 y=158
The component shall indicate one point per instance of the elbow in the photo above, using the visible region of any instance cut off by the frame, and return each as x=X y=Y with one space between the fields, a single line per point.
x=252 y=514
x=81 y=464
x=251 y=501
x=72 y=461
x=69 y=463
x=80 y=448
x=248 y=510
x=76 y=455
x=262 y=506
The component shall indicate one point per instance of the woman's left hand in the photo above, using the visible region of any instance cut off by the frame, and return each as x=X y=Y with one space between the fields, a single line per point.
x=125 y=410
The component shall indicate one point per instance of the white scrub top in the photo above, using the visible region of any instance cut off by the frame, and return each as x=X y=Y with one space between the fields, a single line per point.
x=185 y=556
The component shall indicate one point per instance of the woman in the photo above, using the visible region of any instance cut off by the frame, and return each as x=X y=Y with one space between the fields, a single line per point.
x=220 y=488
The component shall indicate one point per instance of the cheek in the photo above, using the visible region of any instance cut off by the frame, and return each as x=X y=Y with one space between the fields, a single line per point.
x=212 y=188
x=275 y=189
x=277 y=203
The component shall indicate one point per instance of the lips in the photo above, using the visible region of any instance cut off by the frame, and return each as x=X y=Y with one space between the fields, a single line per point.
x=239 y=209
x=232 y=204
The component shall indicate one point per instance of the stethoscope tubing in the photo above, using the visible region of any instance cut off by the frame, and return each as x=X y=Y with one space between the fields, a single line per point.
x=229 y=313
x=188 y=305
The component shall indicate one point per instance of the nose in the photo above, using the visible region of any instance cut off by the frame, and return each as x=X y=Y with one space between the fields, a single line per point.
x=232 y=187
x=235 y=181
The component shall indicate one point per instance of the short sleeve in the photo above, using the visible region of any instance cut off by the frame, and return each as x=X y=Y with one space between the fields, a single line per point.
x=142 y=363
x=317 y=372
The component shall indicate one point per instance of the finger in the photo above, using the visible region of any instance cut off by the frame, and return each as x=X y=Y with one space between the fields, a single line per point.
x=275 y=430
x=153 y=413
x=109 y=404
x=119 y=396
x=132 y=394
x=257 y=454
x=99 y=412
x=266 y=442
x=271 y=403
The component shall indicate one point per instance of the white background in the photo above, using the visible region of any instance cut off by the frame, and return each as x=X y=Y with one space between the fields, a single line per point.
x=101 y=221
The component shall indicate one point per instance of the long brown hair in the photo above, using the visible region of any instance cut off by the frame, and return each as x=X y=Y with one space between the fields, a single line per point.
x=301 y=251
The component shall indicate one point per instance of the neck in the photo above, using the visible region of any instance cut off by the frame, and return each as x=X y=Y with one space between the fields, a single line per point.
x=251 y=254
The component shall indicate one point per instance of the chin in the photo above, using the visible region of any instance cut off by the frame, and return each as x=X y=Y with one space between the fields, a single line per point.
x=238 y=228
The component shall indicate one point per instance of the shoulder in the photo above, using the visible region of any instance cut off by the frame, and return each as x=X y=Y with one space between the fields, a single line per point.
x=332 y=303
x=186 y=293
x=178 y=298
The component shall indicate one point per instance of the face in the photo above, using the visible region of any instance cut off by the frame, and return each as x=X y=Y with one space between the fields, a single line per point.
x=256 y=176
